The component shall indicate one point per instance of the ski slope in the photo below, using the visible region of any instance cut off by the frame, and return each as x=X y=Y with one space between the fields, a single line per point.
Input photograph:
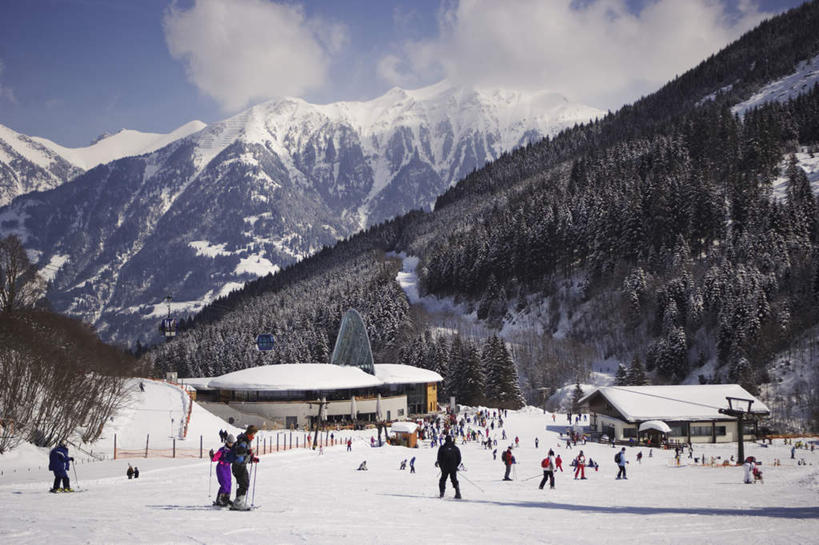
x=307 y=497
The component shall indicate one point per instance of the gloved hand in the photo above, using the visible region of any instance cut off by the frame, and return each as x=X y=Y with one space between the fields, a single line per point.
x=254 y=460
x=436 y=464
x=71 y=458
x=211 y=454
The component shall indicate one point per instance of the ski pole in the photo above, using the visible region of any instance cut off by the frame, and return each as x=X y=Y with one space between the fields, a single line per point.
x=253 y=497
x=532 y=477
x=514 y=472
x=467 y=479
x=76 y=479
x=210 y=477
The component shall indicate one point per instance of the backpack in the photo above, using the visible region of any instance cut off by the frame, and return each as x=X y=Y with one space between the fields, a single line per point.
x=546 y=463
x=617 y=458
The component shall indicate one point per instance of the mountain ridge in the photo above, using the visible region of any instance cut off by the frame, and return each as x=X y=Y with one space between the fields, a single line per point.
x=267 y=187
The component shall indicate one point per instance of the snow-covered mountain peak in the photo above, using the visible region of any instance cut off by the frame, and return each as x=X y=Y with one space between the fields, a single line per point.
x=125 y=143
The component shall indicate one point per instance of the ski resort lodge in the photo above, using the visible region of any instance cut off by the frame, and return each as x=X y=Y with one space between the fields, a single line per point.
x=671 y=413
x=351 y=388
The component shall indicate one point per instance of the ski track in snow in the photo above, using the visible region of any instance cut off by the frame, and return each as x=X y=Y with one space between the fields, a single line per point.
x=320 y=499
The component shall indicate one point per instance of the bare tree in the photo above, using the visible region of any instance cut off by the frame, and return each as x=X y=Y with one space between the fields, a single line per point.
x=57 y=379
x=20 y=285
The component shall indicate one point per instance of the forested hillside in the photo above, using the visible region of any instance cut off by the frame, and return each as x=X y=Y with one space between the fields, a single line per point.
x=653 y=235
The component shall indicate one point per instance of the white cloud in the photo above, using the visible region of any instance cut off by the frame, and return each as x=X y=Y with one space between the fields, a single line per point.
x=246 y=50
x=595 y=51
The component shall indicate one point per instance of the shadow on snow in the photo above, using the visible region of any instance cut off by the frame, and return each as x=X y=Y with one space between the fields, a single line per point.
x=768 y=512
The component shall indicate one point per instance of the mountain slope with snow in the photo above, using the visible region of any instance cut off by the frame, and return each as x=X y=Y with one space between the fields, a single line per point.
x=125 y=143
x=246 y=196
x=38 y=164
x=28 y=165
x=801 y=81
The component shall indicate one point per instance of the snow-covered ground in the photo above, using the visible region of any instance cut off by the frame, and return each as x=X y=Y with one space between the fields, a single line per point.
x=306 y=497
x=801 y=81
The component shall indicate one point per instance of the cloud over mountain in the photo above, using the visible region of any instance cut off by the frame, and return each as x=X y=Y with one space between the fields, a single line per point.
x=248 y=50
x=598 y=52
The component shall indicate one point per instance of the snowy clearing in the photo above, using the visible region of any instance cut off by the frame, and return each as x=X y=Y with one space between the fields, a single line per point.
x=306 y=497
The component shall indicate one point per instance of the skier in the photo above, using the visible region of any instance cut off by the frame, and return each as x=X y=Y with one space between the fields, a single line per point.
x=537 y=442
x=748 y=466
x=640 y=457
x=136 y=472
x=449 y=458
x=349 y=445
x=223 y=459
x=559 y=463
x=59 y=462
x=548 y=465
x=508 y=459
x=581 y=466
x=242 y=453
x=412 y=464
x=620 y=458
x=403 y=464
x=130 y=472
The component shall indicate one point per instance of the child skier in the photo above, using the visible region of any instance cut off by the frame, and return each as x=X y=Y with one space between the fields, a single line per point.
x=223 y=458
x=58 y=463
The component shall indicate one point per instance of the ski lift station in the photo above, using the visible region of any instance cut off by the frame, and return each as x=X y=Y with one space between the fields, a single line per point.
x=682 y=413
x=351 y=388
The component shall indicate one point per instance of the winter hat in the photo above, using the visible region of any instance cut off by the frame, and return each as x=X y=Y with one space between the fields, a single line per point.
x=230 y=438
x=251 y=430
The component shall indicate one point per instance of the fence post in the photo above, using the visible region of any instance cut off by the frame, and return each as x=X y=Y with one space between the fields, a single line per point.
x=291 y=438
x=115 y=446
x=297 y=442
x=147 y=439
x=257 y=444
x=277 y=442
x=174 y=447
x=200 y=446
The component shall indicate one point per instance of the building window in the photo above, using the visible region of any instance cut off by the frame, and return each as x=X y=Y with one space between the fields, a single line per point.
x=400 y=412
x=629 y=432
x=705 y=431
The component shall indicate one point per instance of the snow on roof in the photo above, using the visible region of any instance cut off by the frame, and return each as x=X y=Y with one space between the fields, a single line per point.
x=295 y=376
x=681 y=402
x=315 y=376
x=200 y=383
x=404 y=427
x=392 y=373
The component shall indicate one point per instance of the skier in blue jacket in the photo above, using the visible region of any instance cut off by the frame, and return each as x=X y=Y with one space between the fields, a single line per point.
x=59 y=462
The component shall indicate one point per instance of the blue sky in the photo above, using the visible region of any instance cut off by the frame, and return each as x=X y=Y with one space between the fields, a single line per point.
x=72 y=69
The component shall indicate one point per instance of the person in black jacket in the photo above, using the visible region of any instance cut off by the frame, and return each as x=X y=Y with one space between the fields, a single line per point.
x=242 y=454
x=449 y=458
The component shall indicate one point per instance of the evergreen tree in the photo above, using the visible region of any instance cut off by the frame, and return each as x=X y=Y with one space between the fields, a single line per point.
x=621 y=377
x=636 y=376
x=577 y=395
x=502 y=387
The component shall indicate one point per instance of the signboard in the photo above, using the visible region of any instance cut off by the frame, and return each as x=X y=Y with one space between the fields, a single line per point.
x=264 y=342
